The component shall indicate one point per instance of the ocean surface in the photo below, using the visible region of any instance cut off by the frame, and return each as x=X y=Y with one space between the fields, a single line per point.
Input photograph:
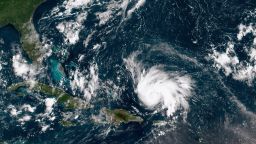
x=187 y=67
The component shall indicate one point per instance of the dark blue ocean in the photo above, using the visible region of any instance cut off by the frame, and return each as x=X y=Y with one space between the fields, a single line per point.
x=179 y=34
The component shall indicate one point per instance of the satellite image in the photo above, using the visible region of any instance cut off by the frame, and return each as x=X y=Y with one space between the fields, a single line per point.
x=127 y=71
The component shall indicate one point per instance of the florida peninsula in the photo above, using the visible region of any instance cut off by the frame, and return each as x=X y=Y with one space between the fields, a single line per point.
x=19 y=14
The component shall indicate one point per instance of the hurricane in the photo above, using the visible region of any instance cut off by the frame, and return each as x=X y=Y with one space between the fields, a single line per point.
x=127 y=71
x=158 y=87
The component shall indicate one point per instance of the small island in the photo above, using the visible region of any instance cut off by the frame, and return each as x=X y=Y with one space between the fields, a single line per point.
x=19 y=14
x=67 y=123
x=118 y=116
x=70 y=102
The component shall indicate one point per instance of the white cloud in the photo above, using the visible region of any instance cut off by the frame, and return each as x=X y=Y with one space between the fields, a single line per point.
x=226 y=60
x=104 y=17
x=22 y=68
x=229 y=61
x=245 y=29
x=157 y=87
x=24 y=119
x=49 y=102
x=139 y=4
x=71 y=29
x=75 y=4
x=245 y=73
x=44 y=128
x=29 y=108
x=14 y=111
x=86 y=84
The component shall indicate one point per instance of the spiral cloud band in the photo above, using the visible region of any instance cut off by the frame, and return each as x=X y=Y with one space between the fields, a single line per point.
x=156 y=87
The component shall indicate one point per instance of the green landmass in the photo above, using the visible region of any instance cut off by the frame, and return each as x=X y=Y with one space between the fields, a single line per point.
x=118 y=116
x=3 y=142
x=67 y=123
x=70 y=102
x=19 y=13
